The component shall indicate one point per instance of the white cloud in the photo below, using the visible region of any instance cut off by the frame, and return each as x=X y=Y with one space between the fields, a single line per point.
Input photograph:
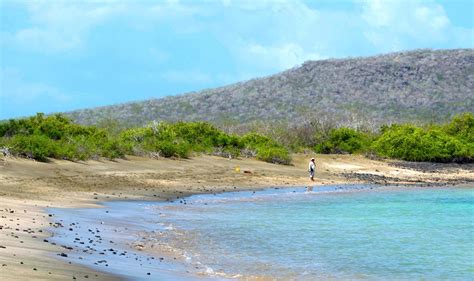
x=61 y=26
x=433 y=17
x=269 y=36
x=281 y=56
x=17 y=91
x=377 y=13
x=58 y=26
x=393 y=25
x=261 y=36
x=279 y=34
x=275 y=35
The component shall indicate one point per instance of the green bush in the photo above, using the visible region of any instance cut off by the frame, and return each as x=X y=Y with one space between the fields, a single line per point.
x=200 y=135
x=180 y=139
x=3 y=142
x=461 y=126
x=42 y=137
x=276 y=155
x=55 y=136
x=265 y=148
x=439 y=143
x=167 y=148
x=253 y=140
x=412 y=143
x=36 y=146
x=344 y=140
x=112 y=149
x=67 y=151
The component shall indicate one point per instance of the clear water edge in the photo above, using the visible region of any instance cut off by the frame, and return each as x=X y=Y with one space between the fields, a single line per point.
x=331 y=233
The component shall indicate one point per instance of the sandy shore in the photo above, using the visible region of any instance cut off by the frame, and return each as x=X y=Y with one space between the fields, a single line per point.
x=27 y=188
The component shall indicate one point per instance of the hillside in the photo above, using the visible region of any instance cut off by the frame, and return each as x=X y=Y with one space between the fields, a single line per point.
x=417 y=86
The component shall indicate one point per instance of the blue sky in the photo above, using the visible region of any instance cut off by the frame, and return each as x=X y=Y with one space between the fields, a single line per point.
x=63 y=55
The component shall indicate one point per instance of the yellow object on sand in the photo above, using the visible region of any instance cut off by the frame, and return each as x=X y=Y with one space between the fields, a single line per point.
x=237 y=169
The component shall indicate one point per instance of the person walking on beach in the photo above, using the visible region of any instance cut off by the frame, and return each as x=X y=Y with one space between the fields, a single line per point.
x=311 y=169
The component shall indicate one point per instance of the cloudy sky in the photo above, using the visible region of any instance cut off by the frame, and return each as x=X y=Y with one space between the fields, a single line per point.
x=62 y=55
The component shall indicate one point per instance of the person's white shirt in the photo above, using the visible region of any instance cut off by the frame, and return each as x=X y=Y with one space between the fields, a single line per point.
x=311 y=166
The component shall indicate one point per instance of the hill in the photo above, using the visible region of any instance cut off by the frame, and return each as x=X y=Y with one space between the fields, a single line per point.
x=415 y=86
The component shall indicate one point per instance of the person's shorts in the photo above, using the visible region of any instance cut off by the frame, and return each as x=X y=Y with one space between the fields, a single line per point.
x=311 y=174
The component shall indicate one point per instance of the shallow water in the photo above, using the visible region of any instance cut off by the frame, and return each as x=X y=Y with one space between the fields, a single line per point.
x=363 y=232
x=103 y=239
x=393 y=233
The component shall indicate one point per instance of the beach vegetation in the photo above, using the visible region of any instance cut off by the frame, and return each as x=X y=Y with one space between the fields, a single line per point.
x=344 y=140
x=181 y=139
x=274 y=154
x=265 y=148
x=43 y=137
x=452 y=142
x=462 y=127
x=55 y=136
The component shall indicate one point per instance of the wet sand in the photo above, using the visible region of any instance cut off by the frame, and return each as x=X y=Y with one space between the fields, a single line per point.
x=26 y=252
x=29 y=188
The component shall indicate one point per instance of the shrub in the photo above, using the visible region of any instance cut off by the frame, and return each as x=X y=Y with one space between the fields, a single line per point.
x=37 y=147
x=198 y=134
x=412 y=143
x=179 y=139
x=137 y=135
x=112 y=149
x=265 y=149
x=55 y=136
x=167 y=148
x=462 y=126
x=68 y=151
x=276 y=155
x=344 y=140
x=253 y=140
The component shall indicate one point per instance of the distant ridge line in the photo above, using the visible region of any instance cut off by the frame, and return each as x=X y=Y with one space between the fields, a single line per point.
x=417 y=86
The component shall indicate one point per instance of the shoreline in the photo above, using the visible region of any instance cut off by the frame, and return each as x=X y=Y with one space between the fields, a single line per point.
x=28 y=188
x=97 y=239
x=152 y=243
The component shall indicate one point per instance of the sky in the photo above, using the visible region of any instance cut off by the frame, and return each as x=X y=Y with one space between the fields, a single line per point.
x=62 y=55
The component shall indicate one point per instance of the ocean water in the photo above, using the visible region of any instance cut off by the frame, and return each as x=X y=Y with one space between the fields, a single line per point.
x=333 y=232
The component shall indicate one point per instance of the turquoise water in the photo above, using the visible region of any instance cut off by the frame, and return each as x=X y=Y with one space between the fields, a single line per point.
x=391 y=233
